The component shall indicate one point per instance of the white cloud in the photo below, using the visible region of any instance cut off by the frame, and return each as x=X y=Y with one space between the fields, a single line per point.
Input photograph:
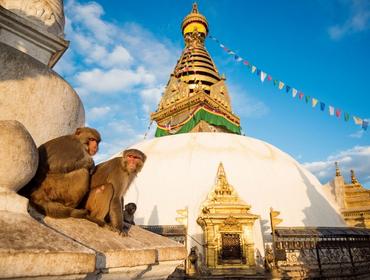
x=151 y=98
x=117 y=136
x=245 y=105
x=357 y=134
x=89 y=15
x=118 y=69
x=359 y=20
x=118 y=57
x=357 y=158
x=113 y=80
x=98 y=112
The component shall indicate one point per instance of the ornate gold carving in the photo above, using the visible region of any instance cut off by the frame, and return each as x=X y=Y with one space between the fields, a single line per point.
x=231 y=224
x=227 y=225
x=353 y=199
x=353 y=177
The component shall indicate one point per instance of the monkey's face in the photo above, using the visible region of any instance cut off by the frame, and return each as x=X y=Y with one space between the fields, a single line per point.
x=131 y=208
x=133 y=163
x=92 y=146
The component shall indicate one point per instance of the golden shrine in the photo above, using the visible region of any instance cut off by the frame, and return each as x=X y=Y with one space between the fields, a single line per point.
x=196 y=98
x=228 y=229
x=353 y=200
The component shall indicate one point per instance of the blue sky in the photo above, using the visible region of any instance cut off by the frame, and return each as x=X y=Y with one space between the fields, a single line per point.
x=122 y=52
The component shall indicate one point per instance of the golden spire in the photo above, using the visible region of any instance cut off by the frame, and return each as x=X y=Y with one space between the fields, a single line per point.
x=195 y=84
x=222 y=185
x=337 y=171
x=353 y=177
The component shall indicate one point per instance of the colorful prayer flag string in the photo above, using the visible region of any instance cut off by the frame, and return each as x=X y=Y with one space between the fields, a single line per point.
x=280 y=84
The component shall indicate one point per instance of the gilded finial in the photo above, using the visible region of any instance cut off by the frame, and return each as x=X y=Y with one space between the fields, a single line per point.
x=337 y=171
x=195 y=8
x=195 y=21
x=222 y=185
x=353 y=177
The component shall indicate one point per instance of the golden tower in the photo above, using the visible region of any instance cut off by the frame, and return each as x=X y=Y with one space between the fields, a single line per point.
x=196 y=98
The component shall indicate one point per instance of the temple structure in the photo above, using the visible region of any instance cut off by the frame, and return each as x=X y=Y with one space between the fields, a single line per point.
x=352 y=199
x=246 y=207
x=196 y=98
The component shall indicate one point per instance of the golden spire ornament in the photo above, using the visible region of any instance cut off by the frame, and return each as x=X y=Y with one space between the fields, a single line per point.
x=196 y=98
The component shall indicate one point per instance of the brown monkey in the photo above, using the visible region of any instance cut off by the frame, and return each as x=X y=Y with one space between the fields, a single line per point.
x=63 y=175
x=128 y=213
x=109 y=184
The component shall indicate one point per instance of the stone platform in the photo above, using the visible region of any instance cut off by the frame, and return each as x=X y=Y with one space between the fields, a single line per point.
x=45 y=248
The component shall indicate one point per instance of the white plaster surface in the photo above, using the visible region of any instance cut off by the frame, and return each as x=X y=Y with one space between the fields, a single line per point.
x=37 y=97
x=181 y=170
x=18 y=156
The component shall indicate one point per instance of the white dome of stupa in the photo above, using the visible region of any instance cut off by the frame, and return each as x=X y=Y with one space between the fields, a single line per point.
x=181 y=170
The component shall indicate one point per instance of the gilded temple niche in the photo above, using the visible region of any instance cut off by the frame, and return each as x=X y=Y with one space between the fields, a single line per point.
x=220 y=93
x=228 y=228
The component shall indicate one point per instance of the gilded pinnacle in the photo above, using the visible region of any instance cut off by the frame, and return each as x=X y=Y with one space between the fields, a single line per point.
x=337 y=171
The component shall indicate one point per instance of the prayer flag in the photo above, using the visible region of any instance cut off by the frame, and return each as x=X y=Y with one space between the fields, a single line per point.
x=263 y=76
x=322 y=106
x=258 y=72
x=294 y=92
x=346 y=117
x=307 y=98
x=222 y=46
x=281 y=85
x=287 y=88
x=275 y=82
x=314 y=102
x=246 y=62
x=338 y=112
x=254 y=68
x=301 y=95
x=357 y=120
x=365 y=124
x=331 y=110
x=269 y=78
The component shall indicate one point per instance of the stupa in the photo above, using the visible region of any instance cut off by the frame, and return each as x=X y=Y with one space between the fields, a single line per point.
x=263 y=189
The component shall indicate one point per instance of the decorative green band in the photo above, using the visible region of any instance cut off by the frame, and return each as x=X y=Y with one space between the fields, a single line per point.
x=198 y=116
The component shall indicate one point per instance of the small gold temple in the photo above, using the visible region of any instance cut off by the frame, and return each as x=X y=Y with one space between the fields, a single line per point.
x=196 y=98
x=228 y=229
x=353 y=199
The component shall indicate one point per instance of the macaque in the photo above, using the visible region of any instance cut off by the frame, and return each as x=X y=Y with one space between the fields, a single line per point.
x=63 y=175
x=128 y=213
x=109 y=184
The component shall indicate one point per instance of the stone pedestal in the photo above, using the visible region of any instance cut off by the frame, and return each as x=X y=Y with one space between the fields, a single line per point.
x=30 y=92
x=29 y=249
x=141 y=255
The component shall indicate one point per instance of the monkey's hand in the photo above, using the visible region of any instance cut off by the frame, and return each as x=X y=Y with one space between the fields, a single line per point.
x=112 y=228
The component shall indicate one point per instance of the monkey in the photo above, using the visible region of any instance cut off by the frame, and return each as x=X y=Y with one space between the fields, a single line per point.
x=128 y=213
x=62 y=178
x=109 y=184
